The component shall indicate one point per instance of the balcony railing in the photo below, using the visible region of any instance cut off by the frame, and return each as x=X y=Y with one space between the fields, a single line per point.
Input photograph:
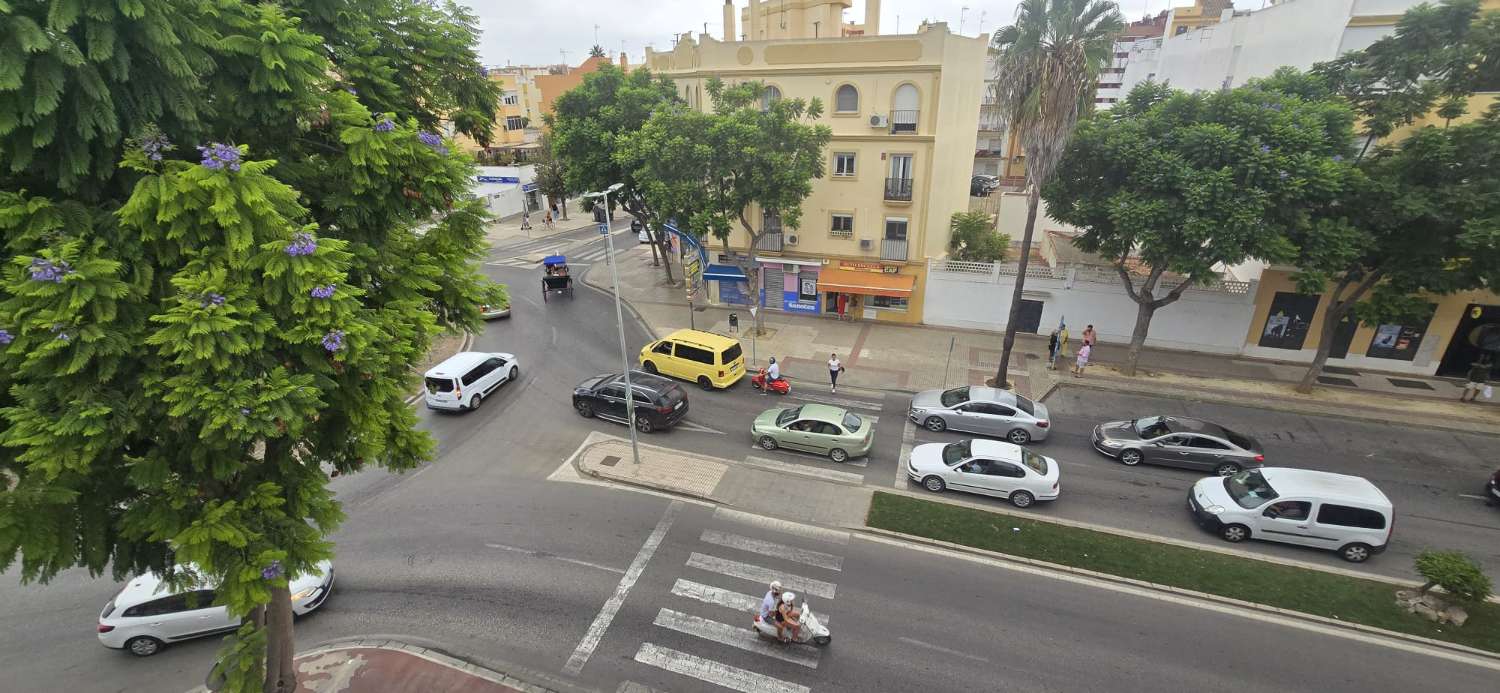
x=904 y=121
x=770 y=242
x=893 y=249
x=898 y=189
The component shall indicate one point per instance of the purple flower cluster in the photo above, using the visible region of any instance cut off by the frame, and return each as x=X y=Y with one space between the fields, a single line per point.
x=58 y=330
x=44 y=270
x=154 y=145
x=1265 y=148
x=333 y=341
x=212 y=299
x=302 y=244
x=6 y=337
x=323 y=291
x=385 y=126
x=272 y=571
x=219 y=156
x=433 y=140
x=1338 y=157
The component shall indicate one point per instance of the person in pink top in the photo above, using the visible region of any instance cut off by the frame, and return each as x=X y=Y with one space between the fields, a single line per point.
x=1083 y=358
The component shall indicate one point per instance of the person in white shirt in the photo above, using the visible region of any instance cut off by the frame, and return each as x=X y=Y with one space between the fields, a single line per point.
x=834 y=369
x=768 y=605
x=774 y=372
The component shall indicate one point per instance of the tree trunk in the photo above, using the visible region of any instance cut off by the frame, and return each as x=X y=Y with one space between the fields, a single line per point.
x=562 y=204
x=1144 y=310
x=281 y=673
x=656 y=252
x=1002 y=375
x=1331 y=319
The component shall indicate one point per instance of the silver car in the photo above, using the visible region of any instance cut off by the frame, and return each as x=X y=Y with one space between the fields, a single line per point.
x=983 y=410
x=1178 y=441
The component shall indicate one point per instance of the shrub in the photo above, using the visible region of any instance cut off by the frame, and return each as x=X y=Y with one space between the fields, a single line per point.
x=1455 y=572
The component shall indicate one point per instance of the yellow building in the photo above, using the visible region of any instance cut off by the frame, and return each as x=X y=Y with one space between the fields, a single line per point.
x=904 y=113
x=1200 y=14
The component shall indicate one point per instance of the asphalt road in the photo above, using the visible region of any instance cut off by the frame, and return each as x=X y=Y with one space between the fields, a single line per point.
x=481 y=553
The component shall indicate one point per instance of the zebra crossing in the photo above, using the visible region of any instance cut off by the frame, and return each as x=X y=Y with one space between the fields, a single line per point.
x=721 y=587
x=579 y=253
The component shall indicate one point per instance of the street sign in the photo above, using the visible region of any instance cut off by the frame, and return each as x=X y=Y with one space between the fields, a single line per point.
x=604 y=229
x=753 y=310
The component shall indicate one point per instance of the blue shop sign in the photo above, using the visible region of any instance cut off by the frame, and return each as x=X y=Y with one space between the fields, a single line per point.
x=499 y=179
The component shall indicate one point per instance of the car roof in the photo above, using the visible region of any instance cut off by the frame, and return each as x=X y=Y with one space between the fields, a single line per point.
x=142 y=588
x=716 y=342
x=995 y=450
x=1325 y=486
x=1184 y=424
x=642 y=379
x=991 y=394
x=822 y=412
x=457 y=364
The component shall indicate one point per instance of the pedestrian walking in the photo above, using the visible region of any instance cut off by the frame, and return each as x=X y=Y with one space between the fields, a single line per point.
x=1053 y=345
x=525 y=220
x=1478 y=382
x=834 y=369
x=1083 y=359
x=1089 y=337
x=547 y=220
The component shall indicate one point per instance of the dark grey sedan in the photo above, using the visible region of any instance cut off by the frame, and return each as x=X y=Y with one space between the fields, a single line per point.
x=1178 y=441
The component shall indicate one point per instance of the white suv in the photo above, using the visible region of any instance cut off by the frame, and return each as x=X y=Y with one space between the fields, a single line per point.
x=1337 y=512
x=145 y=615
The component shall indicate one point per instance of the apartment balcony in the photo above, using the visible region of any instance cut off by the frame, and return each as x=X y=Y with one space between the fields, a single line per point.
x=904 y=121
x=898 y=189
x=893 y=249
x=769 y=242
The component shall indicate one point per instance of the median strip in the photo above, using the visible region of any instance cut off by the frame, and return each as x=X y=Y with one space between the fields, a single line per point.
x=1349 y=599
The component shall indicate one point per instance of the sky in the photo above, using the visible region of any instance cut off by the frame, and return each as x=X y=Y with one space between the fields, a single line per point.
x=526 y=32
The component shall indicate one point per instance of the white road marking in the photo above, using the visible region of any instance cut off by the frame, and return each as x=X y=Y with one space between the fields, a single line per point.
x=944 y=650
x=606 y=615
x=717 y=673
x=718 y=596
x=691 y=426
x=817 y=559
x=785 y=527
x=739 y=637
x=908 y=438
x=1470 y=495
x=564 y=559
x=755 y=573
x=800 y=470
x=840 y=402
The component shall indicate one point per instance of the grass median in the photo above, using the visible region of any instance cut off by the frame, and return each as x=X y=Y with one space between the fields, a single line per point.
x=1366 y=602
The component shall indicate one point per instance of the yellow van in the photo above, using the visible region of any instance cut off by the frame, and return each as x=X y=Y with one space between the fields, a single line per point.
x=711 y=360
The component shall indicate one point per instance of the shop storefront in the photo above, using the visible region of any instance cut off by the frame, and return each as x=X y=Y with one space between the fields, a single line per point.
x=869 y=291
x=791 y=285
x=727 y=285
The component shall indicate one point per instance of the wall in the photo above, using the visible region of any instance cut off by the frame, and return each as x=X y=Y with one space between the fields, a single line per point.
x=552 y=86
x=504 y=199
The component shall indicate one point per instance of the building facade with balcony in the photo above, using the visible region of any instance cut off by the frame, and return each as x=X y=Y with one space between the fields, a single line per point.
x=904 y=115
x=1110 y=88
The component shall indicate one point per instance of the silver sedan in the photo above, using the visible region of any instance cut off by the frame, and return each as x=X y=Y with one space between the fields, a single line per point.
x=983 y=410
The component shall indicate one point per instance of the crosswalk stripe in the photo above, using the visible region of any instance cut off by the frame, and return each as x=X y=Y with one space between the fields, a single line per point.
x=717 y=673
x=755 y=573
x=840 y=402
x=798 y=529
x=801 y=470
x=718 y=596
x=817 y=559
x=739 y=637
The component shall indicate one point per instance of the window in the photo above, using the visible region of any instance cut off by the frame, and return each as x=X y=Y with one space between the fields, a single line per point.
x=846 y=99
x=901 y=166
x=1025 y=405
x=436 y=385
x=769 y=96
x=664 y=348
x=1037 y=463
x=1207 y=443
x=842 y=226
x=729 y=355
x=1249 y=488
x=1006 y=469
x=693 y=353
x=827 y=429
x=954 y=452
x=991 y=409
x=889 y=302
x=895 y=229
x=510 y=99
x=1346 y=516
x=513 y=123
x=904 y=109
x=158 y=607
x=788 y=415
x=955 y=397
x=480 y=371
x=1289 y=510
x=852 y=421
x=613 y=391
x=843 y=164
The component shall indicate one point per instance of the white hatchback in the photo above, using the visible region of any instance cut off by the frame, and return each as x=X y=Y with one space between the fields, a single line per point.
x=989 y=467
x=463 y=380
x=147 y=615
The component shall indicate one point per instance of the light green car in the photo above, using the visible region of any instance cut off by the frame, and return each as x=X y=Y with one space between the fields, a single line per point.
x=814 y=428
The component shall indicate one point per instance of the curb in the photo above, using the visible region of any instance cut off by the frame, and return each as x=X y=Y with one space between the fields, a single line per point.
x=1487 y=655
x=576 y=460
x=468 y=342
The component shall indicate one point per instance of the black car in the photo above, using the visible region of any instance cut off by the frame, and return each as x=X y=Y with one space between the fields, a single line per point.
x=1492 y=489
x=659 y=402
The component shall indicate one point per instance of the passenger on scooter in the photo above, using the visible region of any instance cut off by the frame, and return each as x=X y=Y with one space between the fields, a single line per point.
x=768 y=605
x=787 y=616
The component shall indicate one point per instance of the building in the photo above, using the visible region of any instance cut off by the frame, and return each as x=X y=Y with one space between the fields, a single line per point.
x=518 y=117
x=1200 y=14
x=904 y=114
x=993 y=146
x=767 y=20
x=551 y=86
x=1109 y=89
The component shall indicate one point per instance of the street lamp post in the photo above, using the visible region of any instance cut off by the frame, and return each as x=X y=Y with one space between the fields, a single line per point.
x=609 y=239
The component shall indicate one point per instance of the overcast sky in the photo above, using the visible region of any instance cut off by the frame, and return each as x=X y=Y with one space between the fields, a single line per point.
x=533 y=33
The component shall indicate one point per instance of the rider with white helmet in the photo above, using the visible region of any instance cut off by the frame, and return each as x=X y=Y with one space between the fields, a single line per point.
x=768 y=605
x=787 y=616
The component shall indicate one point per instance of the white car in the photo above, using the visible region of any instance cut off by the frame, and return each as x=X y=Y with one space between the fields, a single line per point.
x=146 y=615
x=1336 y=512
x=988 y=467
x=463 y=380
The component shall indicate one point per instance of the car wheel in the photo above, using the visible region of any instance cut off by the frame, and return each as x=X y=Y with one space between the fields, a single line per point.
x=1019 y=436
x=838 y=455
x=585 y=409
x=934 y=484
x=767 y=443
x=823 y=639
x=643 y=424
x=650 y=368
x=1227 y=469
x=1234 y=534
x=705 y=383
x=514 y=373
x=1021 y=499
x=936 y=424
x=1130 y=458
x=143 y=646
x=475 y=402
x=1355 y=553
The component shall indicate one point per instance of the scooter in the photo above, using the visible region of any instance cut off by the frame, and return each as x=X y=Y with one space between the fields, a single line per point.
x=812 y=632
x=779 y=386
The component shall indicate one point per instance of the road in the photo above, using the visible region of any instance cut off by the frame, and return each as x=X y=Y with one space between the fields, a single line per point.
x=479 y=552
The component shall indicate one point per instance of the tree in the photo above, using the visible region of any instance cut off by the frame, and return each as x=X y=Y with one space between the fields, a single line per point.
x=1185 y=184
x=212 y=290
x=1049 y=62
x=709 y=169
x=551 y=176
x=1455 y=572
x=590 y=122
x=972 y=238
x=597 y=51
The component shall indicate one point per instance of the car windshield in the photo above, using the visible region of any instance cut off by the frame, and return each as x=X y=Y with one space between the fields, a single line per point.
x=1037 y=463
x=1249 y=488
x=955 y=397
x=436 y=385
x=1025 y=405
x=953 y=453
x=1152 y=426
x=852 y=422
x=732 y=353
x=788 y=415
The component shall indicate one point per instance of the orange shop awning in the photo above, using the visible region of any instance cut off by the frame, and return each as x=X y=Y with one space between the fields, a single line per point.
x=867 y=283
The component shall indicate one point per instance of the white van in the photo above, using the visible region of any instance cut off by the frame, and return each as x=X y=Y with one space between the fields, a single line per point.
x=1329 y=511
x=466 y=378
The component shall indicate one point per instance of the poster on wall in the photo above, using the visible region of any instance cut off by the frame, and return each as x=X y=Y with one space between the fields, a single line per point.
x=1396 y=342
x=1288 y=320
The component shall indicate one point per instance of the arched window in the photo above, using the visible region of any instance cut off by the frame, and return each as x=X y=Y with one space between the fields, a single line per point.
x=904 y=109
x=846 y=99
x=769 y=96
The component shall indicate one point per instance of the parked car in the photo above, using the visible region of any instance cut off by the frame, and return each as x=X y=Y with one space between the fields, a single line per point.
x=463 y=380
x=816 y=428
x=987 y=467
x=983 y=185
x=1493 y=488
x=983 y=410
x=1178 y=441
x=641 y=235
x=1337 y=512
x=147 y=614
x=711 y=360
x=659 y=402
x=489 y=312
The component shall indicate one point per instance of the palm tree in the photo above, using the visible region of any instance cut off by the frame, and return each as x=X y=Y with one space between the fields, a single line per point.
x=597 y=51
x=1049 y=63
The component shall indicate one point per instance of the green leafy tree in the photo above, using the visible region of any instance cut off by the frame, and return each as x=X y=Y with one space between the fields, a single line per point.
x=589 y=125
x=1049 y=63
x=212 y=290
x=1454 y=571
x=709 y=170
x=972 y=238
x=1187 y=183
x=552 y=176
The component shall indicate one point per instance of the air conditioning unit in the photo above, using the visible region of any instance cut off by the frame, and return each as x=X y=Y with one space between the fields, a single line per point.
x=879 y=121
x=866 y=244
x=791 y=239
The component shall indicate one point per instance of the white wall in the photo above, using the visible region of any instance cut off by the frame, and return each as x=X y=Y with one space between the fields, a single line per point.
x=504 y=199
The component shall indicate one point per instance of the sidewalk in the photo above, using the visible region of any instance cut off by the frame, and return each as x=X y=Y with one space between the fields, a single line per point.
x=380 y=665
x=508 y=230
x=913 y=358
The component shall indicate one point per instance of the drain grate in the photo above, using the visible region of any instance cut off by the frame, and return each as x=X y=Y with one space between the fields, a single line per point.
x=610 y=461
x=1340 y=370
x=1331 y=380
x=1409 y=384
